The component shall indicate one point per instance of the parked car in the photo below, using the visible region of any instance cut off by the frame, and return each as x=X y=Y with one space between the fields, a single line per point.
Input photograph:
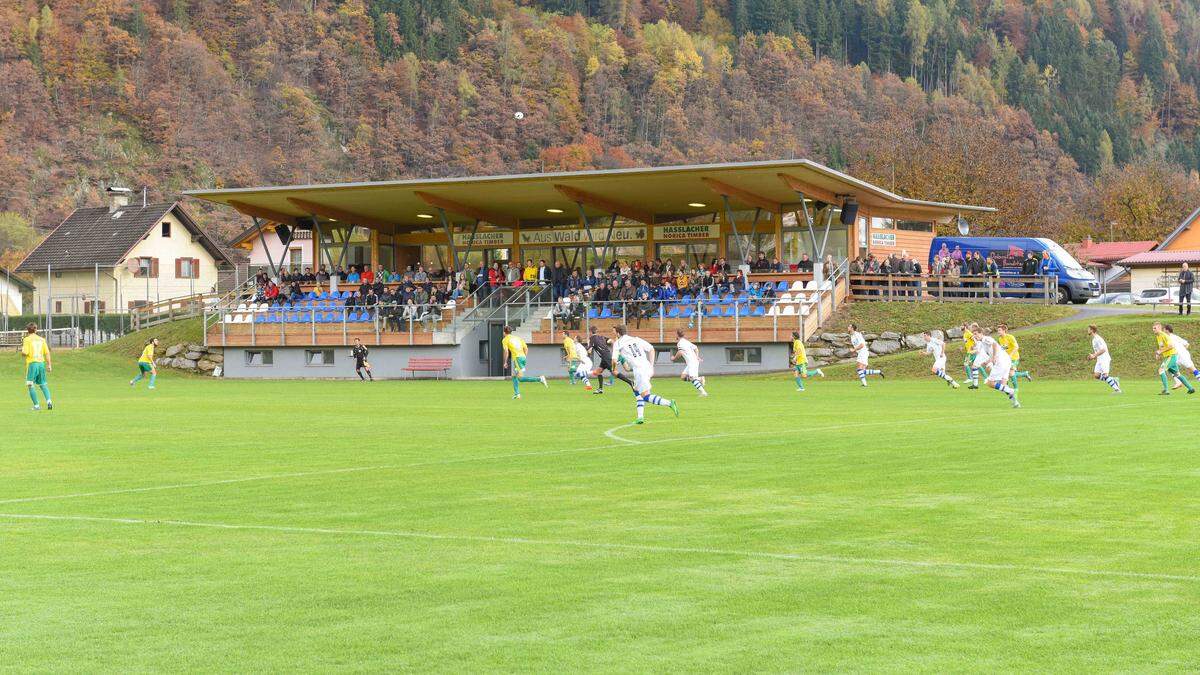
x=1112 y=299
x=1157 y=296
x=1075 y=284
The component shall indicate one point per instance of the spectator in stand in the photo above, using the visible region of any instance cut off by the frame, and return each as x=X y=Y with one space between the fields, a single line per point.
x=574 y=282
x=421 y=276
x=643 y=308
x=761 y=264
x=590 y=282
x=512 y=273
x=805 y=264
x=559 y=277
x=353 y=277
x=495 y=275
x=367 y=276
x=529 y=273
x=666 y=292
x=545 y=274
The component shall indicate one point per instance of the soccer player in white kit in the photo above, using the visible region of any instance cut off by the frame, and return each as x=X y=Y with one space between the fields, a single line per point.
x=936 y=346
x=1103 y=367
x=1183 y=356
x=999 y=365
x=685 y=349
x=583 y=362
x=638 y=356
x=863 y=353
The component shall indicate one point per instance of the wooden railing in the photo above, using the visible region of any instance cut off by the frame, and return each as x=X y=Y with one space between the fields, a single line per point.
x=906 y=288
x=172 y=309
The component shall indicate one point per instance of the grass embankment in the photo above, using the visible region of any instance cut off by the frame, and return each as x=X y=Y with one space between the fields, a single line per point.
x=1060 y=351
x=171 y=333
x=910 y=317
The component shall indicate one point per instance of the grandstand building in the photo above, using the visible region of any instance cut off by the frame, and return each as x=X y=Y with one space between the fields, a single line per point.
x=798 y=211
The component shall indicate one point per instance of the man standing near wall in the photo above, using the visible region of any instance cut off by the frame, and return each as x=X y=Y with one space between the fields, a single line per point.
x=1186 y=279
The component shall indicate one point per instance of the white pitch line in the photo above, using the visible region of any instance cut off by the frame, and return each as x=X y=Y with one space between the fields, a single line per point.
x=515 y=455
x=642 y=548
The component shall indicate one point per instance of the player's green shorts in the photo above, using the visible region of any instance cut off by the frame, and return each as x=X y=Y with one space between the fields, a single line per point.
x=36 y=373
x=802 y=369
x=145 y=367
x=1170 y=364
x=519 y=364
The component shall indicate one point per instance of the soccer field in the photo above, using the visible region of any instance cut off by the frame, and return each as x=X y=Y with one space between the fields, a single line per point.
x=319 y=525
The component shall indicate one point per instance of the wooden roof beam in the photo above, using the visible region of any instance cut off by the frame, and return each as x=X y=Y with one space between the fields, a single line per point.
x=605 y=204
x=334 y=213
x=264 y=213
x=466 y=210
x=810 y=191
x=743 y=196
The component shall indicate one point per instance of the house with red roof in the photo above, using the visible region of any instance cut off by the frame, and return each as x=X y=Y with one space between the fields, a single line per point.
x=1159 y=267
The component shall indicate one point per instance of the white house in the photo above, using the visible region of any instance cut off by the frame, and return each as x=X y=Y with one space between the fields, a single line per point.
x=13 y=293
x=122 y=255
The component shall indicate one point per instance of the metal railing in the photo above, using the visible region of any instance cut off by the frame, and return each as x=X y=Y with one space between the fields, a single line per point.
x=943 y=288
x=321 y=323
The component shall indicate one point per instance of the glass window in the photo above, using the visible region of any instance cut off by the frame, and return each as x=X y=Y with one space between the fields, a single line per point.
x=751 y=355
x=697 y=253
x=318 y=357
x=259 y=357
x=166 y=228
x=762 y=242
x=878 y=223
x=914 y=225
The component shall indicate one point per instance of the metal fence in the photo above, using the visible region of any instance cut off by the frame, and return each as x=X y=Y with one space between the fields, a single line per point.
x=71 y=338
x=322 y=322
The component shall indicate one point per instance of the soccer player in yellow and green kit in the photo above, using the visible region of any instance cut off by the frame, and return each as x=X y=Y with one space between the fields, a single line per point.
x=969 y=355
x=146 y=364
x=37 y=364
x=569 y=355
x=1006 y=340
x=800 y=362
x=515 y=351
x=1169 y=369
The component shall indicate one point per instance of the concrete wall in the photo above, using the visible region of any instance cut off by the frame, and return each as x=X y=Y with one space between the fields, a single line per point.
x=11 y=299
x=387 y=362
x=547 y=360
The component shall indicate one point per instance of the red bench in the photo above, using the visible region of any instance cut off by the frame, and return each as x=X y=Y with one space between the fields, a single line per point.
x=428 y=365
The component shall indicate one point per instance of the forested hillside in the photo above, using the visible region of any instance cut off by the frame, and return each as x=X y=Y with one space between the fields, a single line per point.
x=1069 y=116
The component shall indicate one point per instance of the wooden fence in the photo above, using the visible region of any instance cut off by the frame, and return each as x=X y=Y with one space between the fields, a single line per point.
x=170 y=310
x=990 y=290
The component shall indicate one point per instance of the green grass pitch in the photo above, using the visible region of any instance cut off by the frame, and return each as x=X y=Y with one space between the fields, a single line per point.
x=317 y=525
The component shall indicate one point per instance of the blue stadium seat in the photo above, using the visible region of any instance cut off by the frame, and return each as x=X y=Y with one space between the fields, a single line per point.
x=729 y=311
x=593 y=313
x=759 y=310
x=728 y=298
x=712 y=311
x=352 y=317
x=743 y=297
x=686 y=311
x=673 y=313
x=781 y=287
x=310 y=296
x=687 y=299
x=606 y=313
x=345 y=295
x=324 y=295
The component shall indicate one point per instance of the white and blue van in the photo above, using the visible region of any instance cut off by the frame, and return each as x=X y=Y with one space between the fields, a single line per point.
x=1075 y=284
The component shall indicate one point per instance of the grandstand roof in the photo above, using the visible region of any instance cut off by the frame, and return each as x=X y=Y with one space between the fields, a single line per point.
x=648 y=195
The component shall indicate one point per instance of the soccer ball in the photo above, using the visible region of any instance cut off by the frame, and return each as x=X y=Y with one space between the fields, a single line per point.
x=519 y=115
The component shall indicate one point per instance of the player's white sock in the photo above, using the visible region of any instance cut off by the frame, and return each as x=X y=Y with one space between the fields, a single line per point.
x=1004 y=389
x=655 y=399
x=586 y=381
x=697 y=384
x=862 y=376
x=942 y=374
x=641 y=409
x=1110 y=381
x=874 y=371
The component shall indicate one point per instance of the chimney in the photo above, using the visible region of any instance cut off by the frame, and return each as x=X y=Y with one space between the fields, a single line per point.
x=118 y=197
